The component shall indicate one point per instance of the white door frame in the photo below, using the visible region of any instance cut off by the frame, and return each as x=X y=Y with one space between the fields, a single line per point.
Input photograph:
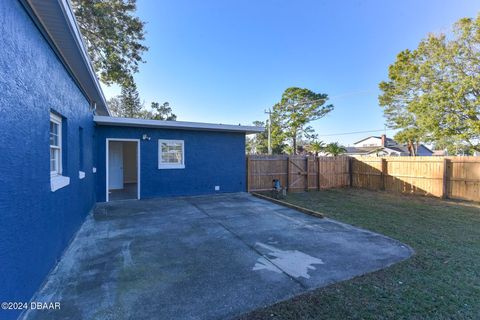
x=107 y=144
x=115 y=168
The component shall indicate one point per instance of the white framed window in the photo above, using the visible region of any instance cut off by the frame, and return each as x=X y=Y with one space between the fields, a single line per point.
x=55 y=145
x=171 y=154
x=57 y=180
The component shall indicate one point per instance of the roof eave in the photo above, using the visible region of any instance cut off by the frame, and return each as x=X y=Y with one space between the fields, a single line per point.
x=56 y=21
x=363 y=139
x=175 y=125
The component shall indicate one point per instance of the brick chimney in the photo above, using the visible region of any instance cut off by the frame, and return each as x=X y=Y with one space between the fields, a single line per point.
x=384 y=140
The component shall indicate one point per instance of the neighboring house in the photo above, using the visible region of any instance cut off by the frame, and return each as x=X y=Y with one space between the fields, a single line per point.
x=375 y=146
x=440 y=153
x=424 y=151
x=62 y=153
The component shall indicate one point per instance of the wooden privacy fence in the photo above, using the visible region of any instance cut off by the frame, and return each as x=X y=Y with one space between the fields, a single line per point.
x=448 y=177
x=297 y=173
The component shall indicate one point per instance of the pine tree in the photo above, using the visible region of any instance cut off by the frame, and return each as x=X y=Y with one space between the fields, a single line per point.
x=296 y=110
x=132 y=108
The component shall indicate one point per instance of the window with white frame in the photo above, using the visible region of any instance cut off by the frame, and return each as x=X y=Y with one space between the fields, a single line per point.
x=171 y=154
x=55 y=145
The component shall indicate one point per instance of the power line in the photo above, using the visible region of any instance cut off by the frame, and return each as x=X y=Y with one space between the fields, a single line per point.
x=353 y=132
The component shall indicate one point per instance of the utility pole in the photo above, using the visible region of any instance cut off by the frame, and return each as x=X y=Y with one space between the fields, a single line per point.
x=269 y=112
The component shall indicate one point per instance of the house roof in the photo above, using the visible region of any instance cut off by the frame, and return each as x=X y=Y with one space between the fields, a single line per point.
x=425 y=147
x=369 y=150
x=57 y=23
x=361 y=150
x=179 y=125
x=397 y=149
x=377 y=137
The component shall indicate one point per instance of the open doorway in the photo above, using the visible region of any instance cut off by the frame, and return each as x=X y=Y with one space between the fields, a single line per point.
x=123 y=170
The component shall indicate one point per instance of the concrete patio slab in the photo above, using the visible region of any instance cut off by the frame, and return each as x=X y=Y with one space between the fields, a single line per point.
x=206 y=257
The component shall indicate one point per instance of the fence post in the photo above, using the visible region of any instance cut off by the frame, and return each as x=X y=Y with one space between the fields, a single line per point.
x=318 y=173
x=445 y=179
x=383 y=173
x=288 y=173
x=308 y=173
x=248 y=173
x=350 y=173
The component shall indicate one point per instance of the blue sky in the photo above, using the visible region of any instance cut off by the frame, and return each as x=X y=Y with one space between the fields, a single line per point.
x=227 y=61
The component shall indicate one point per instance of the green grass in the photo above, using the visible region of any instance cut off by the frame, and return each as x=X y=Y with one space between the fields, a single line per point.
x=440 y=281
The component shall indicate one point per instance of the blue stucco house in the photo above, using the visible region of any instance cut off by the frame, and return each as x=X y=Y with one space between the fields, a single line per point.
x=62 y=152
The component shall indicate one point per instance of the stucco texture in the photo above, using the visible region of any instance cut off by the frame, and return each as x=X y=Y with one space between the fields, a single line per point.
x=36 y=223
x=211 y=159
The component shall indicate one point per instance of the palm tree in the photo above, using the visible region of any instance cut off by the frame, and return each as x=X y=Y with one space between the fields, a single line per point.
x=288 y=149
x=334 y=149
x=316 y=147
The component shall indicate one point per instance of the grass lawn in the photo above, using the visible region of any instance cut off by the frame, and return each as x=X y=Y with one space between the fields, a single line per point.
x=440 y=281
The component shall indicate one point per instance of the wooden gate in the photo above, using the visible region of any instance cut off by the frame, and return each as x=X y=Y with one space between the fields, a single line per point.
x=297 y=173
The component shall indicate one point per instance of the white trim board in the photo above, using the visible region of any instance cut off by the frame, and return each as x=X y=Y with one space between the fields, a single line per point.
x=164 y=165
x=56 y=22
x=107 y=141
x=179 y=125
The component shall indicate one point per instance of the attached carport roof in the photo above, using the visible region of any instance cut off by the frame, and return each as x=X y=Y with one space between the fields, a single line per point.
x=56 y=21
x=179 y=125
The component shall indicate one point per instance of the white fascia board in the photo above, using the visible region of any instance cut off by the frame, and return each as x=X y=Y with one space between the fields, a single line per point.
x=56 y=21
x=67 y=8
x=178 y=125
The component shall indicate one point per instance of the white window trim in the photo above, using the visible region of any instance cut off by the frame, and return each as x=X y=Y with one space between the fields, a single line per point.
x=58 y=120
x=57 y=180
x=170 y=165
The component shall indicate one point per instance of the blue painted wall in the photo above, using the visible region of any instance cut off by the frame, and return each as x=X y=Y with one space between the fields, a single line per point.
x=211 y=158
x=36 y=224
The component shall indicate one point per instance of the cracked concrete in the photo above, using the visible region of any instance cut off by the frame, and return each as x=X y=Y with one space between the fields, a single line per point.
x=206 y=257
